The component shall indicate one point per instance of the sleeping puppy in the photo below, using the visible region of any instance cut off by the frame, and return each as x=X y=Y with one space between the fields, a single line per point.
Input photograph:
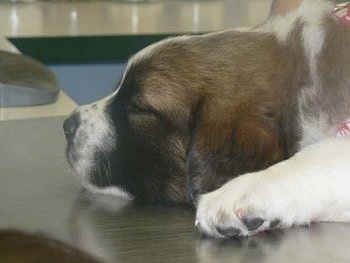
x=259 y=114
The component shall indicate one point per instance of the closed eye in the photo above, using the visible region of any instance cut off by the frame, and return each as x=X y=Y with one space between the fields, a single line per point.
x=147 y=117
x=133 y=108
x=138 y=109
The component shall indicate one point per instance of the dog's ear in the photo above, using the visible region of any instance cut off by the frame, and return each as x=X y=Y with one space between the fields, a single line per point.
x=229 y=140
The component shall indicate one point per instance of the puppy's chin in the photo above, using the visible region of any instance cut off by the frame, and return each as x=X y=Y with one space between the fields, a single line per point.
x=93 y=169
x=80 y=166
x=108 y=190
x=95 y=176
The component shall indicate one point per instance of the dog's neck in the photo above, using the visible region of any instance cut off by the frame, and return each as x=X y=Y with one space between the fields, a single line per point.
x=342 y=12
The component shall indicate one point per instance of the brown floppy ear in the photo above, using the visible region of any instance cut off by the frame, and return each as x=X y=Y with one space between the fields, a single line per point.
x=229 y=140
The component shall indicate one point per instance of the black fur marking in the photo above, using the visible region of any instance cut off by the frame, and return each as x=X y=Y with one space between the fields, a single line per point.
x=142 y=163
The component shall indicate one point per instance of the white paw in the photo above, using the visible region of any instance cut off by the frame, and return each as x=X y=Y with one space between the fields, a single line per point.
x=309 y=187
x=244 y=206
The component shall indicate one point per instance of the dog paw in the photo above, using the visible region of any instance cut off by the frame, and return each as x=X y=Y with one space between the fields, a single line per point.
x=242 y=207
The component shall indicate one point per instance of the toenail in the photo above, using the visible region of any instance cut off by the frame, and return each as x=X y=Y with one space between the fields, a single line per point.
x=196 y=223
x=274 y=223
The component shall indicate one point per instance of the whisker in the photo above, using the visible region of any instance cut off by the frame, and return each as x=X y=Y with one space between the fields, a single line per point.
x=107 y=172
x=99 y=171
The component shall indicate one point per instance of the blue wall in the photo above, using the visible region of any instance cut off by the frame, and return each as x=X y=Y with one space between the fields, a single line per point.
x=86 y=83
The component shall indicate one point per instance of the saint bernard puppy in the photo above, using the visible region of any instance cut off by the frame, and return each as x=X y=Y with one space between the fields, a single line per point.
x=249 y=125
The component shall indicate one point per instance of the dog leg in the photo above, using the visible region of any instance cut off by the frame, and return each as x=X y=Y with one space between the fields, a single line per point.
x=311 y=186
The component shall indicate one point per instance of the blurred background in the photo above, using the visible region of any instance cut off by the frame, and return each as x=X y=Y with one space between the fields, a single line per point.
x=86 y=43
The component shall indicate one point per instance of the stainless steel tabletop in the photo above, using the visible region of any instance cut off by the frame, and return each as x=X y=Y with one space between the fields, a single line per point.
x=37 y=194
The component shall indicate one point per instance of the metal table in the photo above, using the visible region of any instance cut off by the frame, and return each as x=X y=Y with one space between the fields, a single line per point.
x=38 y=194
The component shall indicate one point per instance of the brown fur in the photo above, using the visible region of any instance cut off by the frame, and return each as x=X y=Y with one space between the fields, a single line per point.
x=197 y=111
x=228 y=92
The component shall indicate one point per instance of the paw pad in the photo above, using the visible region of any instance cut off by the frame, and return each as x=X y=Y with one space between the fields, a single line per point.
x=229 y=231
x=252 y=223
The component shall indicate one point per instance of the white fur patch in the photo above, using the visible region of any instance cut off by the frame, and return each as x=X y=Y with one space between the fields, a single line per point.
x=95 y=133
x=111 y=190
x=309 y=12
x=312 y=14
x=313 y=33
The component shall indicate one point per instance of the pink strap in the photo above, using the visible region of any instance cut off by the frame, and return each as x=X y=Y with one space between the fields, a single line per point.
x=343 y=129
x=343 y=17
x=346 y=19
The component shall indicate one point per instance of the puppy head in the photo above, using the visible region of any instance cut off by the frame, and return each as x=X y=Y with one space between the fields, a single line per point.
x=133 y=142
x=175 y=124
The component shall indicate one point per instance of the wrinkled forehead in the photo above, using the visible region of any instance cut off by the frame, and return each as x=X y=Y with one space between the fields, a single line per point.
x=156 y=79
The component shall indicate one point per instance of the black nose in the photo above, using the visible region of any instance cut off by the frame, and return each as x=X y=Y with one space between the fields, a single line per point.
x=70 y=126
